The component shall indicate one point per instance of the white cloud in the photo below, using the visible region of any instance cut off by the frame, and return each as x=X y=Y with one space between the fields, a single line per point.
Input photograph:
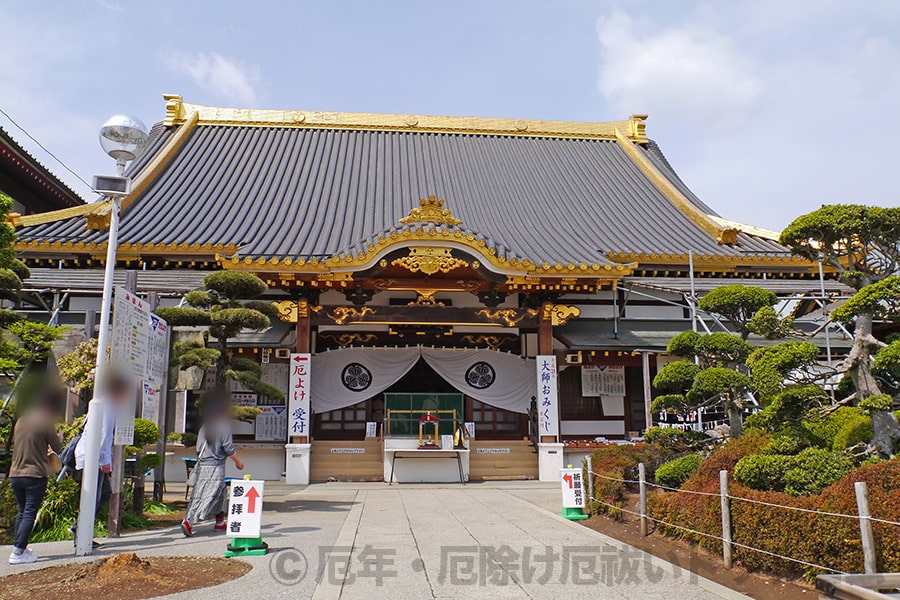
x=222 y=76
x=688 y=74
x=765 y=122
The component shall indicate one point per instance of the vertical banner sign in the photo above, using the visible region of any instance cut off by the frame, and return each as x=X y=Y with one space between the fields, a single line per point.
x=298 y=395
x=245 y=503
x=572 y=488
x=547 y=403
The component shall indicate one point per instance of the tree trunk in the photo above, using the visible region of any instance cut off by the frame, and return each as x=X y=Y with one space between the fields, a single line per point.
x=222 y=363
x=140 y=483
x=859 y=365
x=887 y=432
x=735 y=419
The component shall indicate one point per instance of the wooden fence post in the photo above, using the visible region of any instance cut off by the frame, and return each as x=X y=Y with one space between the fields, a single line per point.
x=726 y=518
x=589 y=463
x=642 y=483
x=865 y=526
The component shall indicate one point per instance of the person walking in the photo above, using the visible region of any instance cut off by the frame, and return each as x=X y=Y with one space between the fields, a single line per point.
x=119 y=389
x=33 y=437
x=214 y=446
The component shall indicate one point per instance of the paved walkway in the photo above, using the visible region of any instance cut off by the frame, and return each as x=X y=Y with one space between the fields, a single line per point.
x=492 y=540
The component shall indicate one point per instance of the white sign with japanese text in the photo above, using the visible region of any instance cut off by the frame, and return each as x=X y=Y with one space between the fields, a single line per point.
x=602 y=380
x=298 y=395
x=130 y=333
x=124 y=432
x=243 y=398
x=149 y=402
x=245 y=504
x=572 y=488
x=271 y=424
x=547 y=397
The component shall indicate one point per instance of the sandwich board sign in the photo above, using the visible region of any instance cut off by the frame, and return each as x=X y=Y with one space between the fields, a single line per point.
x=573 y=496
x=245 y=503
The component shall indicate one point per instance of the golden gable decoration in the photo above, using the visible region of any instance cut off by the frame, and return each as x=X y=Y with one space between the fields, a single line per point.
x=429 y=260
x=431 y=210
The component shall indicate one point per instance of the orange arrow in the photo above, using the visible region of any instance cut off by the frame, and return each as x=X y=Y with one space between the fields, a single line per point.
x=252 y=497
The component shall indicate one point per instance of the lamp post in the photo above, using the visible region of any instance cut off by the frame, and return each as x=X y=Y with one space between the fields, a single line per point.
x=123 y=138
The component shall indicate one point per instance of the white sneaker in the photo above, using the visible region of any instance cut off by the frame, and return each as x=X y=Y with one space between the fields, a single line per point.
x=22 y=559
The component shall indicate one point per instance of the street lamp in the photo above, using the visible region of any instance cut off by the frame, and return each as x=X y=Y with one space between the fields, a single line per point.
x=123 y=138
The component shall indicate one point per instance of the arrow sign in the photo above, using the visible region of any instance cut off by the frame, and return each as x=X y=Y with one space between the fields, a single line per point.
x=252 y=497
x=567 y=477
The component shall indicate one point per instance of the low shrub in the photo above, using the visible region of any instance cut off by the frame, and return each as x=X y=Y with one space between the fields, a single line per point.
x=814 y=470
x=833 y=542
x=702 y=512
x=809 y=472
x=763 y=471
x=855 y=431
x=788 y=441
x=826 y=430
x=613 y=463
x=675 y=472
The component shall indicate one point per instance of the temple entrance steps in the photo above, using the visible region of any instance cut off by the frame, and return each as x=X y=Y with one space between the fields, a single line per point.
x=346 y=460
x=491 y=460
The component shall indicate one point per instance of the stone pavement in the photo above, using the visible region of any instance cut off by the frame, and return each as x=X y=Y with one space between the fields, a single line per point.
x=370 y=540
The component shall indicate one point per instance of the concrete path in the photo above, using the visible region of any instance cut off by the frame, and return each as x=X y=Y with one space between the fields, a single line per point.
x=492 y=540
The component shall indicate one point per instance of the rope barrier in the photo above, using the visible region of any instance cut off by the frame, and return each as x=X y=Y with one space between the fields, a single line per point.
x=696 y=493
x=716 y=537
x=749 y=500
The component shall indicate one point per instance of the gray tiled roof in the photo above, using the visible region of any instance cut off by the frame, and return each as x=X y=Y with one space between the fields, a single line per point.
x=312 y=192
x=587 y=334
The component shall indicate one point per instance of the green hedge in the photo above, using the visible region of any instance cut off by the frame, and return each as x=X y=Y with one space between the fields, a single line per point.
x=833 y=542
x=809 y=472
x=675 y=472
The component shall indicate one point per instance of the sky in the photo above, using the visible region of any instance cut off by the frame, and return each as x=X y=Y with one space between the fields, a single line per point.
x=766 y=108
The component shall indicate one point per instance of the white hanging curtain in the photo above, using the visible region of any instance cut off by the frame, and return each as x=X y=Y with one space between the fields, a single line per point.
x=496 y=378
x=342 y=378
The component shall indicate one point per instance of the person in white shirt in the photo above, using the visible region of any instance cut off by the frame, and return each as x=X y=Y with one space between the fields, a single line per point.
x=118 y=390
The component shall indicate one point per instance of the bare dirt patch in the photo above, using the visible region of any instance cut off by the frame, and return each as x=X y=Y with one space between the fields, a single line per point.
x=697 y=560
x=123 y=576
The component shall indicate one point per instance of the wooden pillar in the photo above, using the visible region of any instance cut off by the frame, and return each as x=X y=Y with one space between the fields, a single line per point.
x=545 y=329
x=304 y=330
x=302 y=346
x=545 y=344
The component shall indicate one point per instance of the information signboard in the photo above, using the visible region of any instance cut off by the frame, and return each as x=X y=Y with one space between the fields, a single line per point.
x=245 y=504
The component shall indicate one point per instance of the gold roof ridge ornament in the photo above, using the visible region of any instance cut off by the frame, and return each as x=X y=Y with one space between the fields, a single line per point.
x=178 y=112
x=431 y=210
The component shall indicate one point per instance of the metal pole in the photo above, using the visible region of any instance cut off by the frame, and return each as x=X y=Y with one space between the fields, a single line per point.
x=648 y=393
x=865 y=527
x=726 y=518
x=827 y=319
x=159 y=473
x=825 y=312
x=693 y=292
x=642 y=483
x=93 y=431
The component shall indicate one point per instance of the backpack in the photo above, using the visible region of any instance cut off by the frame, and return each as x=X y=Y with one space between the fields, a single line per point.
x=67 y=455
